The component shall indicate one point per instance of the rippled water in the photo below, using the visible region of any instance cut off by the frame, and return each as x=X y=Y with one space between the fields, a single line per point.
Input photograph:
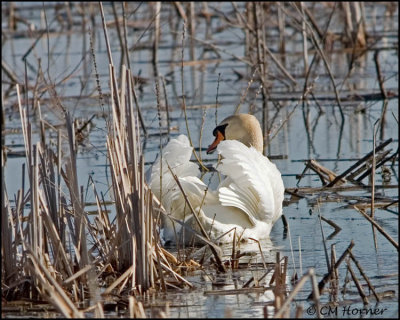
x=308 y=132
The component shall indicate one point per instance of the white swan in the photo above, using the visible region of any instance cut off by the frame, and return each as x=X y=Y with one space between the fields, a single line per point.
x=248 y=199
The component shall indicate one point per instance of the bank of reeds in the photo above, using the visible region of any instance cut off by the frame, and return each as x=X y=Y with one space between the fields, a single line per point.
x=51 y=249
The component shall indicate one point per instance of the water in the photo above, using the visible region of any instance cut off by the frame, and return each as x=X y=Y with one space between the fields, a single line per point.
x=313 y=131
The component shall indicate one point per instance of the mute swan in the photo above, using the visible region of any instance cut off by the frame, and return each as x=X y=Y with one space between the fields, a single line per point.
x=248 y=199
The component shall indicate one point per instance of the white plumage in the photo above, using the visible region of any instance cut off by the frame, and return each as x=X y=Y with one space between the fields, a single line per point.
x=248 y=199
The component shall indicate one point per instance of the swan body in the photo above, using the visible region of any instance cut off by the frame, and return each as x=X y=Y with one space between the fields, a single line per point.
x=248 y=200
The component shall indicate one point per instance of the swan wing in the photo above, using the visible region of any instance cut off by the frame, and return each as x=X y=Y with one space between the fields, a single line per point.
x=253 y=183
x=177 y=155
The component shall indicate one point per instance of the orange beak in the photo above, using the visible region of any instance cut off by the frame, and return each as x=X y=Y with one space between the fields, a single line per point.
x=218 y=138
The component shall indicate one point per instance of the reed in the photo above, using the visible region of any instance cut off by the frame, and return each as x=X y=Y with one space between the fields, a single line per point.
x=310 y=275
x=58 y=272
x=62 y=271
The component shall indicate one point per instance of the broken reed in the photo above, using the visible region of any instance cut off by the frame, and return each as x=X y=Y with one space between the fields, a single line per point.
x=133 y=200
x=36 y=245
x=48 y=249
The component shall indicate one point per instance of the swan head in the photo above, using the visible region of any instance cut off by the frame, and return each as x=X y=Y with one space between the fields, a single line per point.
x=242 y=127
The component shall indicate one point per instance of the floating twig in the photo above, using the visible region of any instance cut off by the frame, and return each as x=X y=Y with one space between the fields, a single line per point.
x=378 y=227
x=359 y=162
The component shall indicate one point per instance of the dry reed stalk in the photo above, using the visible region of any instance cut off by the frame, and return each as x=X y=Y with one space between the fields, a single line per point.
x=378 y=227
x=286 y=304
x=261 y=63
x=25 y=131
x=35 y=217
x=78 y=274
x=303 y=97
x=348 y=21
x=72 y=184
x=213 y=247
x=278 y=288
x=261 y=253
x=281 y=27
x=184 y=102
x=136 y=309
x=55 y=292
x=329 y=275
x=166 y=106
x=19 y=211
x=300 y=259
x=332 y=224
x=357 y=283
x=53 y=234
x=122 y=278
x=304 y=35
x=192 y=47
x=103 y=20
x=242 y=97
x=360 y=269
x=156 y=12
x=180 y=10
x=6 y=232
x=379 y=74
x=176 y=275
x=324 y=173
x=167 y=259
x=104 y=244
x=247 y=284
x=159 y=269
x=280 y=66
x=9 y=72
x=323 y=239
x=299 y=312
x=45 y=224
x=355 y=33
x=135 y=240
x=316 y=294
x=12 y=17
x=237 y=291
x=320 y=51
x=159 y=127
x=99 y=311
x=292 y=253
x=252 y=19
x=234 y=260
x=373 y=175
x=131 y=73
x=46 y=170
x=334 y=283
x=372 y=179
x=121 y=42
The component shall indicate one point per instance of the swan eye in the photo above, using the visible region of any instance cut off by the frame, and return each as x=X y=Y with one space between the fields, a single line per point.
x=221 y=129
